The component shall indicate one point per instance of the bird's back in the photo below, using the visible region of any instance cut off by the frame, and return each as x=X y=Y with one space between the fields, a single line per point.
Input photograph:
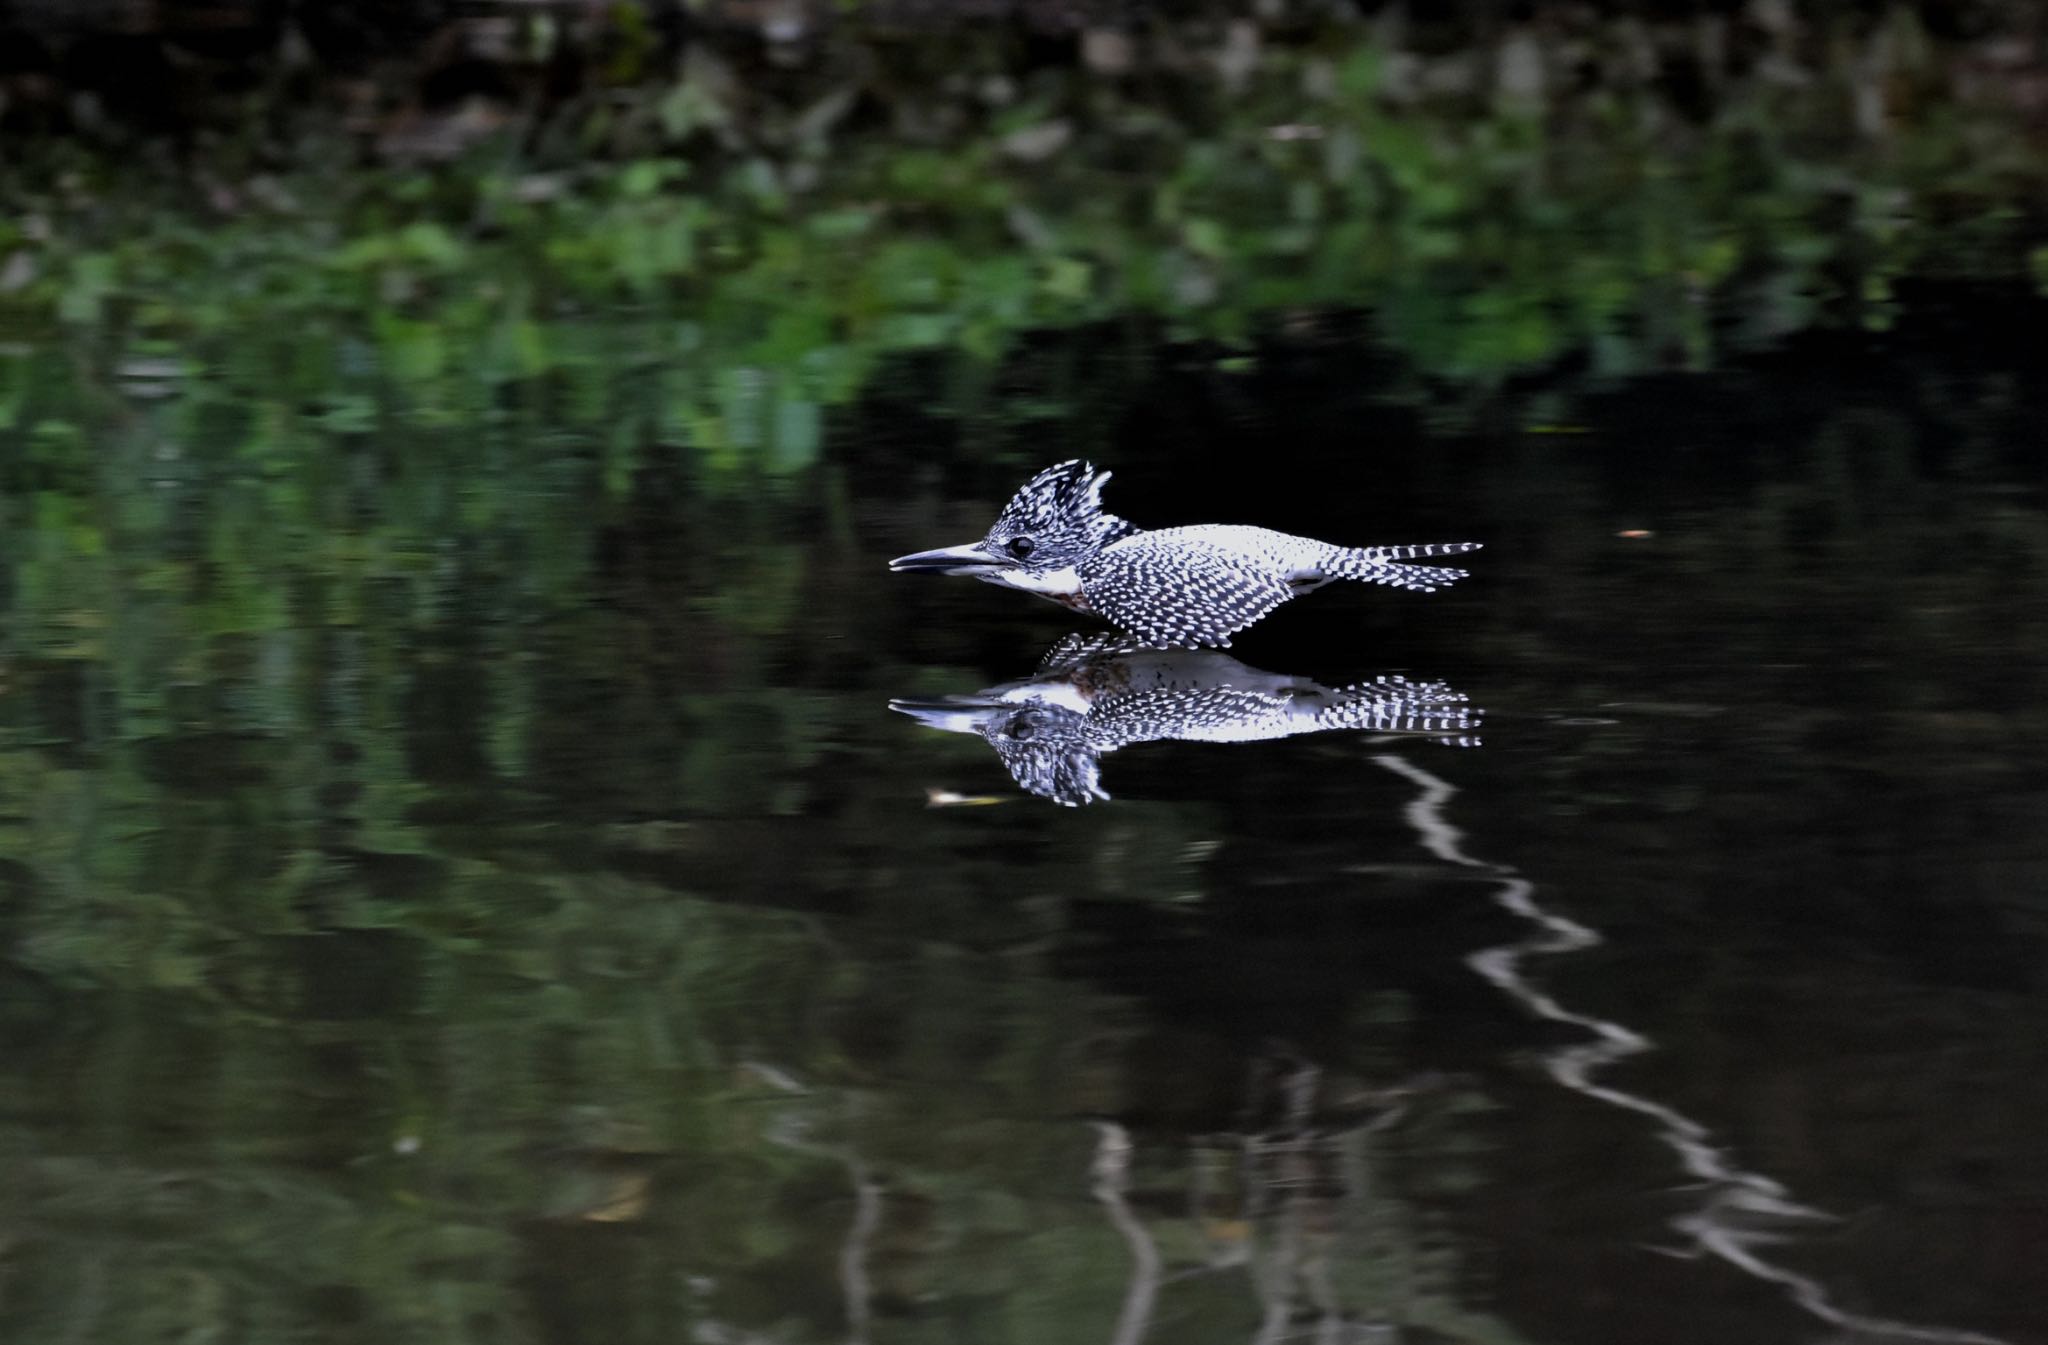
x=1194 y=585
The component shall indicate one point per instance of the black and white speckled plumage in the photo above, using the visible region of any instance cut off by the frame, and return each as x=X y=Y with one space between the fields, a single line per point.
x=1092 y=697
x=1184 y=587
x=1046 y=750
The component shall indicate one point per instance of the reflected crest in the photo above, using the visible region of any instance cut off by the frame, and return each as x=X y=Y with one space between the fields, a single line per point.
x=1093 y=695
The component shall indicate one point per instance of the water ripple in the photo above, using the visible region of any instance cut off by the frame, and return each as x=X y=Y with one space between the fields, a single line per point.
x=1740 y=1211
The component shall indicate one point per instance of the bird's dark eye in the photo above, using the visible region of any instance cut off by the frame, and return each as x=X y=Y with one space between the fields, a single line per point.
x=1022 y=730
x=1020 y=547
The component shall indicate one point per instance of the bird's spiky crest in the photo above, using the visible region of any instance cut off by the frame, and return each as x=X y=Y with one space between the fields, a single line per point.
x=1047 y=752
x=1061 y=510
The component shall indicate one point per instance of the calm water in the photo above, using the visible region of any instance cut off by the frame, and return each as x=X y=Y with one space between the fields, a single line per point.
x=492 y=901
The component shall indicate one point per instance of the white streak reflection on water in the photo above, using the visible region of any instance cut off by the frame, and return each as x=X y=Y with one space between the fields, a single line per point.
x=1112 y=1172
x=1734 y=1218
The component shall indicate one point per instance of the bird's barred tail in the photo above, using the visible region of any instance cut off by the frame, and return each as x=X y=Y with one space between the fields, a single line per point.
x=1393 y=704
x=1384 y=564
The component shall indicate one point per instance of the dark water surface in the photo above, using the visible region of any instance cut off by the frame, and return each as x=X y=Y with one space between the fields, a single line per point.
x=513 y=913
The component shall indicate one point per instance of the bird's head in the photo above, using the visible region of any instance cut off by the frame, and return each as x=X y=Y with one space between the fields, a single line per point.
x=1052 y=524
x=1044 y=746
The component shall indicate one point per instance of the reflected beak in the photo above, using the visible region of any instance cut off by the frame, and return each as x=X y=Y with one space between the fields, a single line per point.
x=970 y=559
x=950 y=714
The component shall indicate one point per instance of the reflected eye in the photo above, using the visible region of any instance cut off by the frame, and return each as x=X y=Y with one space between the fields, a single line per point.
x=1022 y=730
x=1020 y=547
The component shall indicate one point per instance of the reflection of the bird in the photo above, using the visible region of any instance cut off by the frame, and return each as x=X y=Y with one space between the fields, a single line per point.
x=1091 y=696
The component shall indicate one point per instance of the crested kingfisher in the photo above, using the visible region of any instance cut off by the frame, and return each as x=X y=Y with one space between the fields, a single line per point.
x=1169 y=587
x=1092 y=696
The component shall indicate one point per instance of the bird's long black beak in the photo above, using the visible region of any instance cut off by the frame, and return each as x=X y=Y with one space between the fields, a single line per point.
x=953 y=714
x=970 y=559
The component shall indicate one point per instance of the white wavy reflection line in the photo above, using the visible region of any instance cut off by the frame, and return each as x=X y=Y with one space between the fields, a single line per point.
x=1732 y=1193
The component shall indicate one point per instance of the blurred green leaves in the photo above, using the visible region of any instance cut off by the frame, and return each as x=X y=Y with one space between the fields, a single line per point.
x=1499 y=207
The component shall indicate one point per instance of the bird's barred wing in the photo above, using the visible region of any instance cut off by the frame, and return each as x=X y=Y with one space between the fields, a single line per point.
x=1178 y=593
x=1182 y=712
x=1389 y=704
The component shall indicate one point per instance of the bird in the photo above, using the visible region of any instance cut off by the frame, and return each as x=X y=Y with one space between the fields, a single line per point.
x=1093 y=695
x=1187 y=587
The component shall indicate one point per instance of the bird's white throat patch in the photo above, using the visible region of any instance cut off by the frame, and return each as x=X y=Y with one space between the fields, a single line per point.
x=1064 y=582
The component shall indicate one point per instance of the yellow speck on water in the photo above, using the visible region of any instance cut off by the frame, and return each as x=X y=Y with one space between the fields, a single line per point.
x=946 y=798
x=1227 y=1230
x=625 y=1202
